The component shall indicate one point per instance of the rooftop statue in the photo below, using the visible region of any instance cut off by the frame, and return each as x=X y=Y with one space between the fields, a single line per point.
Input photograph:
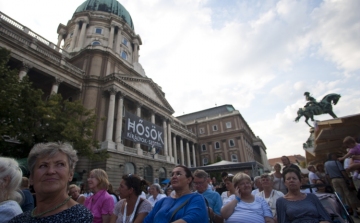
x=313 y=107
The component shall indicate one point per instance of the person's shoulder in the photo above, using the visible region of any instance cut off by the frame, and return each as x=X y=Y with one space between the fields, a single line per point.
x=311 y=196
x=279 y=193
x=145 y=202
x=162 y=195
x=24 y=217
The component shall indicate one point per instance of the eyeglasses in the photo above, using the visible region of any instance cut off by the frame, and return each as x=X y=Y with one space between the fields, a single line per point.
x=199 y=183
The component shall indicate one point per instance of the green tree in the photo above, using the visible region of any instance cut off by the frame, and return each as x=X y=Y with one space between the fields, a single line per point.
x=30 y=119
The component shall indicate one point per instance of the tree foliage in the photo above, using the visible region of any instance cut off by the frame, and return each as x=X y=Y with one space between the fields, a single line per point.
x=24 y=115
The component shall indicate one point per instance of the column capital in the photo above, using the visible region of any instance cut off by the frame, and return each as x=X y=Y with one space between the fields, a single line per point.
x=139 y=104
x=57 y=80
x=25 y=67
x=111 y=90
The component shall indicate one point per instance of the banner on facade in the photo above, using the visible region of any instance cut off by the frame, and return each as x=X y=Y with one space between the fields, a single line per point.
x=143 y=132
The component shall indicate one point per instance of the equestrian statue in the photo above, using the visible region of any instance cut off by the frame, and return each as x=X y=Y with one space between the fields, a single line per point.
x=313 y=107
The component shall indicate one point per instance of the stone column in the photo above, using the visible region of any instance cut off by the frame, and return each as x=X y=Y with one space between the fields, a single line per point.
x=136 y=53
x=175 y=152
x=109 y=143
x=165 y=138
x=119 y=119
x=138 y=113
x=182 y=152
x=82 y=35
x=111 y=37
x=55 y=86
x=188 y=154
x=118 y=41
x=23 y=72
x=153 y=117
x=169 y=141
x=193 y=153
x=76 y=30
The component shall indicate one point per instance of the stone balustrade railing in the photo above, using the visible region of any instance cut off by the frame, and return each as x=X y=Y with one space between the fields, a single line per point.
x=50 y=51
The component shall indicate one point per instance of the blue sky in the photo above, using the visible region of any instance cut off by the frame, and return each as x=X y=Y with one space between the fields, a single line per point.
x=260 y=56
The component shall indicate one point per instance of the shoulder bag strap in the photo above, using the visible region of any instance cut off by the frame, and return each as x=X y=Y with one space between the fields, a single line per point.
x=207 y=205
x=178 y=208
x=137 y=208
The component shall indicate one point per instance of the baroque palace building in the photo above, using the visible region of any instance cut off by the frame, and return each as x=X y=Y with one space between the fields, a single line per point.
x=96 y=61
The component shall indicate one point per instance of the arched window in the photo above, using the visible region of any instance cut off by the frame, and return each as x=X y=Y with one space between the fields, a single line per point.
x=95 y=43
x=162 y=174
x=205 y=161
x=234 y=158
x=129 y=168
x=124 y=55
x=231 y=143
x=148 y=173
x=217 y=145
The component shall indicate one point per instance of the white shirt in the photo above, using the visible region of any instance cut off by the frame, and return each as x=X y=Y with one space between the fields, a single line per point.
x=255 y=192
x=143 y=195
x=312 y=177
x=153 y=201
x=271 y=200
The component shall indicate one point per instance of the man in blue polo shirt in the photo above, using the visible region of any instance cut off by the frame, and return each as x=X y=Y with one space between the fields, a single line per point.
x=212 y=198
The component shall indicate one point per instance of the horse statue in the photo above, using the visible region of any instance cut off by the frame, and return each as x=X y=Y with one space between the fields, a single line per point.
x=313 y=108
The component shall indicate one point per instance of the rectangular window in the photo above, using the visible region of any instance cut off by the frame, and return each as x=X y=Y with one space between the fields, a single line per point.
x=205 y=161
x=234 y=158
x=98 y=30
x=231 y=143
x=215 y=128
x=228 y=125
x=203 y=147
x=125 y=41
x=201 y=131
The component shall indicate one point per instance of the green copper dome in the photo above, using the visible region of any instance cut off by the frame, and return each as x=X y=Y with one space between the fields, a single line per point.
x=111 y=6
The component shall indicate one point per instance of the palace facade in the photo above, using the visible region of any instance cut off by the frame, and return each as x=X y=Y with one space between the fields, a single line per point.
x=96 y=61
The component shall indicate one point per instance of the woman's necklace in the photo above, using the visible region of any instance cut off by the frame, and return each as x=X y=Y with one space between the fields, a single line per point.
x=50 y=210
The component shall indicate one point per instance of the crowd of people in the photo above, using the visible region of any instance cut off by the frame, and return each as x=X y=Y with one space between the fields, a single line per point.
x=190 y=197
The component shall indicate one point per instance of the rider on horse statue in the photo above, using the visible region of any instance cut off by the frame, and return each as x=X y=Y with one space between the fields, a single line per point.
x=311 y=102
x=313 y=107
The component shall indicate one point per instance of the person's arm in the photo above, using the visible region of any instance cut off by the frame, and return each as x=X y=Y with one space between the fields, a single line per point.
x=81 y=200
x=228 y=209
x=325 y=217
x=105 y=218
x=113 y=218
x=107 y=209
x=269 y=220
x=345 y=156
x=280 y=211
x=216 y=218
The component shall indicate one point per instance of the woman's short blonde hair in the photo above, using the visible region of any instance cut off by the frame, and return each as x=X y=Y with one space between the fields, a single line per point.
x=9 y=168
x=102 y=177
x=51 y=149
x=71 y=186
x=240 y=177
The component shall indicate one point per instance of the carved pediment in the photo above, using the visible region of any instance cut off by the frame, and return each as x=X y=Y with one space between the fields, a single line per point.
x=146 y=87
